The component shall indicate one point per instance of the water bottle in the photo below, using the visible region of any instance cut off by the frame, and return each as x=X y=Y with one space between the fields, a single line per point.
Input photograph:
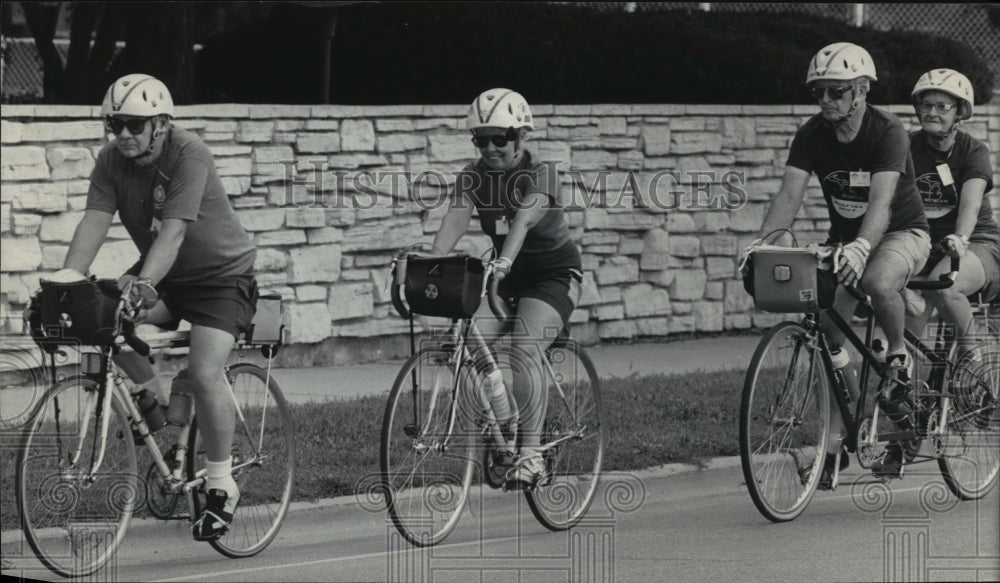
x=497 y=394
x=847 y=374
x=179 y=410
x=150 y=408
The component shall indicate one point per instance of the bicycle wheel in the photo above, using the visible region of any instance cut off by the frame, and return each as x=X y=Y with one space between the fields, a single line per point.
x=784 y=419
x=263 y=462
x=429 y=443
x=575 y=435
x=75 y=521
x=970 y=449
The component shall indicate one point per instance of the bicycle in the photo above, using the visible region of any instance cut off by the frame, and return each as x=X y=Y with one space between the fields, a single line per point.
x=78 y=482
x=785 y=408
x=440 y=434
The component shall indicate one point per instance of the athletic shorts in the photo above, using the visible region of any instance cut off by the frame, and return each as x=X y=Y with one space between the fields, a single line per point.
x=551 y=287
x=227 y=304
x=911 y=245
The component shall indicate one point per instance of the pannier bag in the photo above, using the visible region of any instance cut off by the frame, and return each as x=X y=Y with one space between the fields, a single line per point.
x=265 y=328
x=788 y=279
x=448 y=286
x=81 y=312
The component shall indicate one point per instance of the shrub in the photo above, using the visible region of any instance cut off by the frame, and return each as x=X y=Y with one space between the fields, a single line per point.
x=423 y=53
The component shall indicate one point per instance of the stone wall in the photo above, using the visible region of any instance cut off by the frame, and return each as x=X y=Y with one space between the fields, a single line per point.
x=660 y=198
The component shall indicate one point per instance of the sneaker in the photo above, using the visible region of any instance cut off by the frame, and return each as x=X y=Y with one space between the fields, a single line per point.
x=891 y=464
x=527 y=472
x=217 y=515
x=826 y=478
x=900 y=368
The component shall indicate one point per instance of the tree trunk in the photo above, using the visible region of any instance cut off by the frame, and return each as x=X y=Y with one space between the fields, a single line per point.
x=158 y=42
x=41 y=18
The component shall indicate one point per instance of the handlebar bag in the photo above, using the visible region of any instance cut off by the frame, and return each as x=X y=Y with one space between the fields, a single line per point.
x=789 y=281
x=447 y=287
x=81 y=312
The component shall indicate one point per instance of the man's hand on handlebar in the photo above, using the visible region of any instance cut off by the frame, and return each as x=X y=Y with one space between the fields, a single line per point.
x=140 y=296
x=955 y=245
x=850 y=260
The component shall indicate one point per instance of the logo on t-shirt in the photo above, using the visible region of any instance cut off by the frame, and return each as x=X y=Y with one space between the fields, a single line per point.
x=939 y=199
x=850 y=202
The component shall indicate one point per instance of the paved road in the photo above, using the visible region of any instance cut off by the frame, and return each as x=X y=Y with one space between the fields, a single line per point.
x=657 y=526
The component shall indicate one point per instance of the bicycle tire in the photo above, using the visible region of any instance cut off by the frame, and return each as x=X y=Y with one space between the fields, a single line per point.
x=969 y=452
x=573 y=468
x=265 y=441
x=781 y=490
x=426 y=462
x=74 y=524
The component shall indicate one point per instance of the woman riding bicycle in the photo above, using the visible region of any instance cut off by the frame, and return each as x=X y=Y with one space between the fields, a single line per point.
x=517 y=200
x=954 y=174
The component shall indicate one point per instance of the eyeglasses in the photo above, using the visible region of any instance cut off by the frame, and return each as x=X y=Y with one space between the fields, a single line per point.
x=498 y=141
x=835 y=93
x=940 y=108
x=135 y=125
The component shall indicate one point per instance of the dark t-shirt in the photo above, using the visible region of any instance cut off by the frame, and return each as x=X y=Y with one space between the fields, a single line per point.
x=182 y=184
x=845 y=171
x=969 y=159
x=498 y=196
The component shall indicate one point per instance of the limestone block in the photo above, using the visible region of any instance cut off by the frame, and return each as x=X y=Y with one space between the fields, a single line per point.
x=279 y=238
x=59 y=228
x=661 y=278
x=687 y=124
x=383 y=236
x=594 y=160
x=314 y=263
x=354 y=300
x=308 y=323
x=557 y=152
x=724 y=245
x=643 y=300
x=10 y=131
x=610 y=294
x=26 y=224
x=310 y=293
x=693 y=142
x=715 y=290
x=680 y=223
x=737 y=299
x=689 y=284
x=262 y=220
x=318 y=143
x=355 y=160
x=712 y=222
x=589 y=295
x=305 y=217
x=708 y=316
x=682 y=324
x=630 y=246
x=23 y=163
x=633 y=221
x=656 y=250
x=63 y=131
x=20 y=254
x=617 y=330
x=236 y=166
x=619 y=143
x=388 y=143
x=738 y=132
x=754 y=156
x=653 y=326
x=18 y=288
x=254 y=131
x=618 y=270
x=749 y=219
x=632 y=160
x=270 y=259
x=68 y=163
x=656 y=140
x=114 y=258
x=737 y=322
x=684 y=246
x=5 y=217
x=451 y=148
x=357 y=135
x=612 y=125
x=394 y=125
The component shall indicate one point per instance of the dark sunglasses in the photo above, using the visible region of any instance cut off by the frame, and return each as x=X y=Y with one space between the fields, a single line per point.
x=498 y=141
x=135 y=126
x=835 y=93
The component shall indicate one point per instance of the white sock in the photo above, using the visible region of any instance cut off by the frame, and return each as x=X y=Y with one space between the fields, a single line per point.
x=219 y=475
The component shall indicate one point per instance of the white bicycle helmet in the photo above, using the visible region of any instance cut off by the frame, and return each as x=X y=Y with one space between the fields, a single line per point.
x=947 y=81
x=500 y=108
x=841 y=62
x=139 y=95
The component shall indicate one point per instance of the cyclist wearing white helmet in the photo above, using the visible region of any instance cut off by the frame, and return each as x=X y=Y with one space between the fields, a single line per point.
x=861 y=155
x=196 y=261
x=517 y=200
x=954 y=173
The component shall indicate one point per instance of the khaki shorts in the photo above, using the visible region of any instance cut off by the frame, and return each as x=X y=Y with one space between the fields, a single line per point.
x=913 y=246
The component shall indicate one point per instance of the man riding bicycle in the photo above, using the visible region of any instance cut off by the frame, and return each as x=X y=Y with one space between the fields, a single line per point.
x=861 y=156
x=196 y=261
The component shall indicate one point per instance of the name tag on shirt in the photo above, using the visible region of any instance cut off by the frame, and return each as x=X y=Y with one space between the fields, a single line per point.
x=945 y=173
x=502 y=226
x=861 y=179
